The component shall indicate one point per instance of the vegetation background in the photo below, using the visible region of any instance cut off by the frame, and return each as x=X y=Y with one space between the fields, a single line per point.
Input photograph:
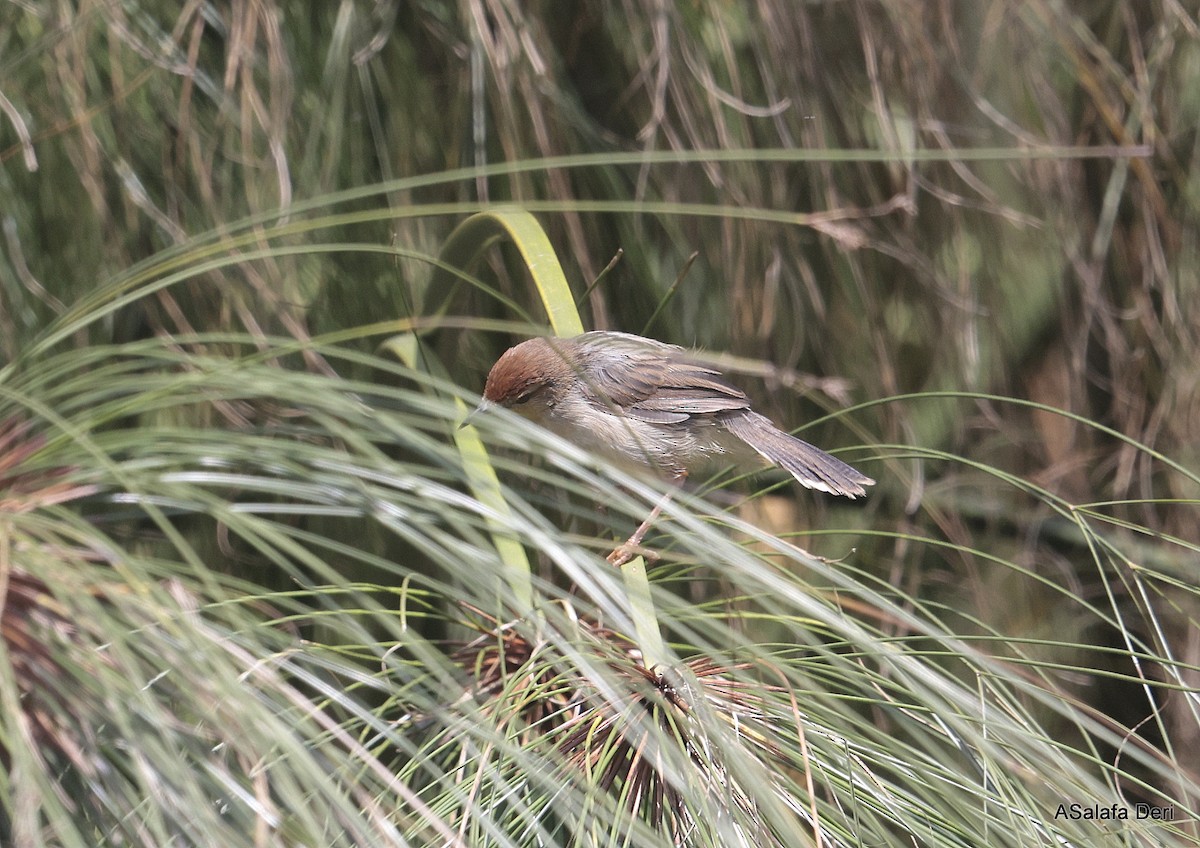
x=976 y=221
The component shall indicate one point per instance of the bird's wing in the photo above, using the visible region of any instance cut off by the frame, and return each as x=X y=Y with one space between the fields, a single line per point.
x=653 y=381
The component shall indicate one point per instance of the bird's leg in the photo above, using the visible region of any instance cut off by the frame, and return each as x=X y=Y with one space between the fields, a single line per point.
x=628 y=550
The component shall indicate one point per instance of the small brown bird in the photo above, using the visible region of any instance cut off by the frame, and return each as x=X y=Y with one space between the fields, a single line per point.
x=644 y=403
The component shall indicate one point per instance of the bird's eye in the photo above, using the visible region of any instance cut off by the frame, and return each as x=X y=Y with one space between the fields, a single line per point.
x=523 y=397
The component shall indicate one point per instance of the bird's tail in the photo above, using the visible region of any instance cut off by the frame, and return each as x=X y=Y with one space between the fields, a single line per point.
x=810 y=465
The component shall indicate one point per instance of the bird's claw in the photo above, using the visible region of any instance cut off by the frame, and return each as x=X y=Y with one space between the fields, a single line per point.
x=626 y=552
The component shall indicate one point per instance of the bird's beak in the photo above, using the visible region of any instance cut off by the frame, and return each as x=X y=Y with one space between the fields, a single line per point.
x=484 y=406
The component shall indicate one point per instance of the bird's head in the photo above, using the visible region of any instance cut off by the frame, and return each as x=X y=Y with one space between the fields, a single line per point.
x=530 y=378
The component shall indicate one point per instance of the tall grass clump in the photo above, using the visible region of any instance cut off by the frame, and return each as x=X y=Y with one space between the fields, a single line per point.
x=258 y=586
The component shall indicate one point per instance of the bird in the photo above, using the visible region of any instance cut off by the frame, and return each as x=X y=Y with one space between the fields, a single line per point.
x=648 y=404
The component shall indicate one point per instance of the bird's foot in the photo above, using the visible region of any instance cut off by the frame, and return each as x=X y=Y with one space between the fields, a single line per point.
x=632 y=545
x=627 y=551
